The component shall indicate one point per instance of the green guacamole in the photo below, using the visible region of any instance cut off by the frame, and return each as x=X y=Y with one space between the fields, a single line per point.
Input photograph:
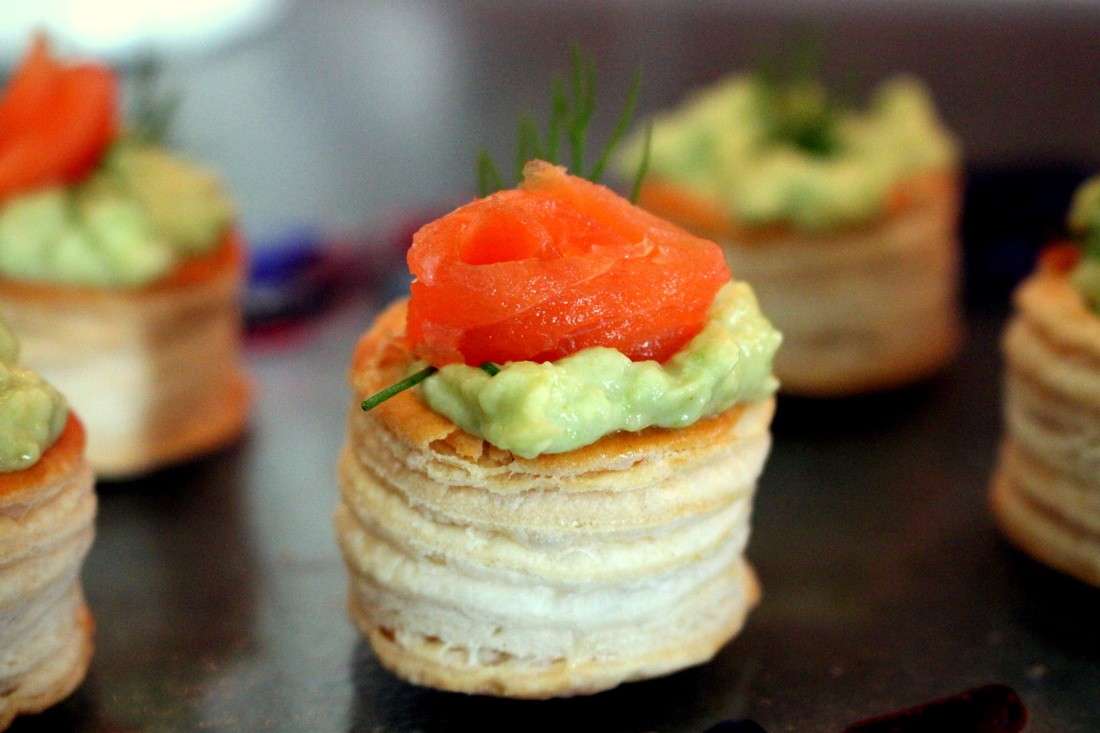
x=1084 y=222
x=32 y=413
x=128 y=224
x=9 y=346
x=533 y=408
x=790 y=156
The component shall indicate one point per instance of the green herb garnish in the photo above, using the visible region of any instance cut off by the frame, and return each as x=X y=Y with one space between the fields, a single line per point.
x=798 y=110
x=572 y=107
x=570 y=116
x=411 y=381
x=1090 y=246
x=154 y=109
x=643 y=166
x=1083 y=220
x=397 y=388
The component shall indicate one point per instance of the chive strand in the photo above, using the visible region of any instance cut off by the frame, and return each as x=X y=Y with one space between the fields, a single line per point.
x=411 y=381
x=397 y=388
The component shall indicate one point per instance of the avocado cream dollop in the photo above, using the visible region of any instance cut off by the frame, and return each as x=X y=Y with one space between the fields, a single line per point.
x=533 y=408
x=790 y=156
x=135 y=218
x=1084 y=222
x=32 y=413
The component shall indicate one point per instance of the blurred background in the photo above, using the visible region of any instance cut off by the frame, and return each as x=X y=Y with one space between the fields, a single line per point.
x=350 y=120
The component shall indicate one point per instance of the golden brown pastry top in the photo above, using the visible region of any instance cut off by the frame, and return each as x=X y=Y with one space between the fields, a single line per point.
x=1049 y=301
x=61 y=459
x=381 y=358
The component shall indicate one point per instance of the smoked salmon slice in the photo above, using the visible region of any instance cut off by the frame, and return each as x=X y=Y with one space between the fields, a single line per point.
x=56 y=121
x=557 y=265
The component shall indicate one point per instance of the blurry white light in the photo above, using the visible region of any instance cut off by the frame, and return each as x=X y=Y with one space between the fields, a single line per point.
x=117 y=29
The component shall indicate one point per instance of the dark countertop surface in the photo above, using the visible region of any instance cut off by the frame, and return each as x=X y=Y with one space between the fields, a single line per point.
x=219 y=590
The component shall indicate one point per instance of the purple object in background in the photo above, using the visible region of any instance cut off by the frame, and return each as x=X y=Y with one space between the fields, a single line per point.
x=290 y=277
x=300 y=275
x=294 y=280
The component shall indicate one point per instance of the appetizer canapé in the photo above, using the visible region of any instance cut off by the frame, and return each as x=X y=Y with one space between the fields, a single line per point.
x=563 y=503
x=1046 y=492
x=842 y=220
x=48 y=507
x=119 y=269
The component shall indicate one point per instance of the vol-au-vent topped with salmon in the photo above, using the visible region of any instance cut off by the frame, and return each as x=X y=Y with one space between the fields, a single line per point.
x=599 y=316
x=85 y=202
x=842 y=218
x=1046 y=489
x=109 y=246
x=48 y=505
x=555 y=441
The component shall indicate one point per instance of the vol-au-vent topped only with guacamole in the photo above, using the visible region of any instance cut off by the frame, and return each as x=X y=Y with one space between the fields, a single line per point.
x=1084 y=225
x=785 y=153
x=32 y=413
x=83 y=203
x=49 y=505
x=843 y=219
x=554 y=445
x=1049 y=469
x=119 y=262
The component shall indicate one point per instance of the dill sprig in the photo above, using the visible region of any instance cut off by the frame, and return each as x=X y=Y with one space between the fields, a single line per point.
x=643 y=166
x=1083 y=220
x=583 y=86
x=1090 y=245
x=411 y=381
x=572 y=108
x=798 y=110
x=621 y=126
x=154 y=109
x=488 y=177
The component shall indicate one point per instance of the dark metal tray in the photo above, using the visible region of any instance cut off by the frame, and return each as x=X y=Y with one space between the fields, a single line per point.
x=219 y=590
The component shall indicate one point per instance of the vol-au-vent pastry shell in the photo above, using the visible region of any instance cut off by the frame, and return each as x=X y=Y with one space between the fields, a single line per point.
x=155 y=372
x=713 y=618
x=861 y=308
x=1046 y=492
x=46 y=528
x=478 y=571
